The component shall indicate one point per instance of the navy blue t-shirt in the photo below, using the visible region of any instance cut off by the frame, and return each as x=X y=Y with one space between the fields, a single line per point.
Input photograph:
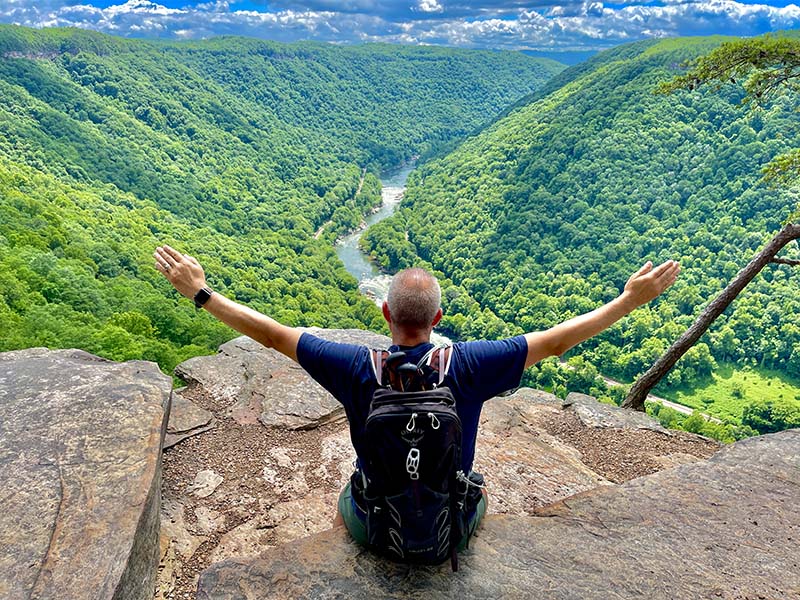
x=479 y=370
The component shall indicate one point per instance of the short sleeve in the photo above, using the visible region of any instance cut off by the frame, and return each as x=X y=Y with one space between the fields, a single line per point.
x=337 y=367
x=486 y=368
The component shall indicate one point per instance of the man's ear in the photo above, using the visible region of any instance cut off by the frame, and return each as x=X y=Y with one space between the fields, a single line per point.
x=386 y=314
x=436 y=318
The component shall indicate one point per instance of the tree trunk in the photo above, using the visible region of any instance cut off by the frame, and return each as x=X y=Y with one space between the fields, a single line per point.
x=636 y=397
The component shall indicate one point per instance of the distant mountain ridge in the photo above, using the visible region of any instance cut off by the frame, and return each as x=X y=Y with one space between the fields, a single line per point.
x=544 y=214
x=233 y=150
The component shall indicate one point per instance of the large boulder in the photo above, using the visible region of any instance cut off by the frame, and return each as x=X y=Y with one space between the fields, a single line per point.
x=80 y=475
x=723 y=528
x=261 y=384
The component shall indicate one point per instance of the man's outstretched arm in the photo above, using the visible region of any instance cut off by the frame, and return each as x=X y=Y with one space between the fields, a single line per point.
x=187 y=276
x=642 y=287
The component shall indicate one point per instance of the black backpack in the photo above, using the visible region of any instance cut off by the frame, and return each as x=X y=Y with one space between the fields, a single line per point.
x=415 y=496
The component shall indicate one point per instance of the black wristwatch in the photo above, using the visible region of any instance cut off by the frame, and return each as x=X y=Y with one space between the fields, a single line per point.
x=201 y=297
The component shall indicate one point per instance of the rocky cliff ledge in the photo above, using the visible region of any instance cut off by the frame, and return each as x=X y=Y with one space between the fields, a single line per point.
x=80 y=475
x=268 y=471
x=726 y=528
x=587 y=500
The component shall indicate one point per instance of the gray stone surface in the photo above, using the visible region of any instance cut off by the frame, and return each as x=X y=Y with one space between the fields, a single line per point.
x=186 y=419
x=185 y=415
x=80 y=473
x=525 y=467
x=206 y=482
x=173 y=525
x=284 y=522
x=725 y=528
x=263 y=385
x=596 y=414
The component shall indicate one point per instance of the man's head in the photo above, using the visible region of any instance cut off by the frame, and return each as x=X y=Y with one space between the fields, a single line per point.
x=412 y=304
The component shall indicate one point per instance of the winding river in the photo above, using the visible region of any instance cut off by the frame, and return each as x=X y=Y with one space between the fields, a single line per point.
x=371 y=282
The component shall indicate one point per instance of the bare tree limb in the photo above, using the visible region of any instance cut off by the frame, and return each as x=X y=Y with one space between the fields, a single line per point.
x=785 y=261
x=638 y=392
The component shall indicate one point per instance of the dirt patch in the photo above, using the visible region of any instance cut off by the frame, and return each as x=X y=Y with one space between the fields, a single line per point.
x=623 y=454
x=250 y=458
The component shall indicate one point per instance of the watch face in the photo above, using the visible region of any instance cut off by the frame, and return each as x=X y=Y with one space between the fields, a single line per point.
x=202 y=297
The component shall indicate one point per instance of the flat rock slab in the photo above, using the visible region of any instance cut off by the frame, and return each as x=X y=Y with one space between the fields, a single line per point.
x=263 y=385
x=185 y=415
x=596 y=414
x=526 y=468
x=80 y=474
x=725 y=528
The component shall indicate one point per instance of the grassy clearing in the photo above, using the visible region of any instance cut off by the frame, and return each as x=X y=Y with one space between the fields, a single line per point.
x=731 y=388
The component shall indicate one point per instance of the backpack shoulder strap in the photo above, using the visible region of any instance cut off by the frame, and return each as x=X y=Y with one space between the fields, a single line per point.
x=439 y=360
x=378 y=361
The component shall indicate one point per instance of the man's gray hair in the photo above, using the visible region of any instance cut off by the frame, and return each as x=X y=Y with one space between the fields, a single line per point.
x=413 y=299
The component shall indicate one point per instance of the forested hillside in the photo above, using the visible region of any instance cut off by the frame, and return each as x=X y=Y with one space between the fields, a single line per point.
x=545 y=214
x=233 y=150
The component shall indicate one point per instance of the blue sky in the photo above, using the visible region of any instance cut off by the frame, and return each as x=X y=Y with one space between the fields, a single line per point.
x=506 y=24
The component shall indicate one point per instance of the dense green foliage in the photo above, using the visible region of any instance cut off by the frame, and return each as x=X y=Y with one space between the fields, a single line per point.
x=769 y=416
x=731 y=388
x=546 y=213
x=76 y=271
x=698 y=423
x=236 y=151
x=766 y=66
x=387 y=103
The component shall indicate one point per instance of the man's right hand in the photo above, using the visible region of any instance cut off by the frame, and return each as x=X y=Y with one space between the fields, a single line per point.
x=648 y=282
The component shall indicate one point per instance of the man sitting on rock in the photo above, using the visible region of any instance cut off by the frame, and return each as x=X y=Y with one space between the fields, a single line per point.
x=478 y=370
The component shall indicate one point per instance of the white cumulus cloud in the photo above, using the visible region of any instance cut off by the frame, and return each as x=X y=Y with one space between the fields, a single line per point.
x=429 y=6
x=512 y=24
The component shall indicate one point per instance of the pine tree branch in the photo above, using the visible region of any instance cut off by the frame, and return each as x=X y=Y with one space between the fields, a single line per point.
x=642 y=386
x=786 y=261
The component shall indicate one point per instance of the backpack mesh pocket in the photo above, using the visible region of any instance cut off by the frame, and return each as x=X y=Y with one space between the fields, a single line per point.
x=400 y=526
